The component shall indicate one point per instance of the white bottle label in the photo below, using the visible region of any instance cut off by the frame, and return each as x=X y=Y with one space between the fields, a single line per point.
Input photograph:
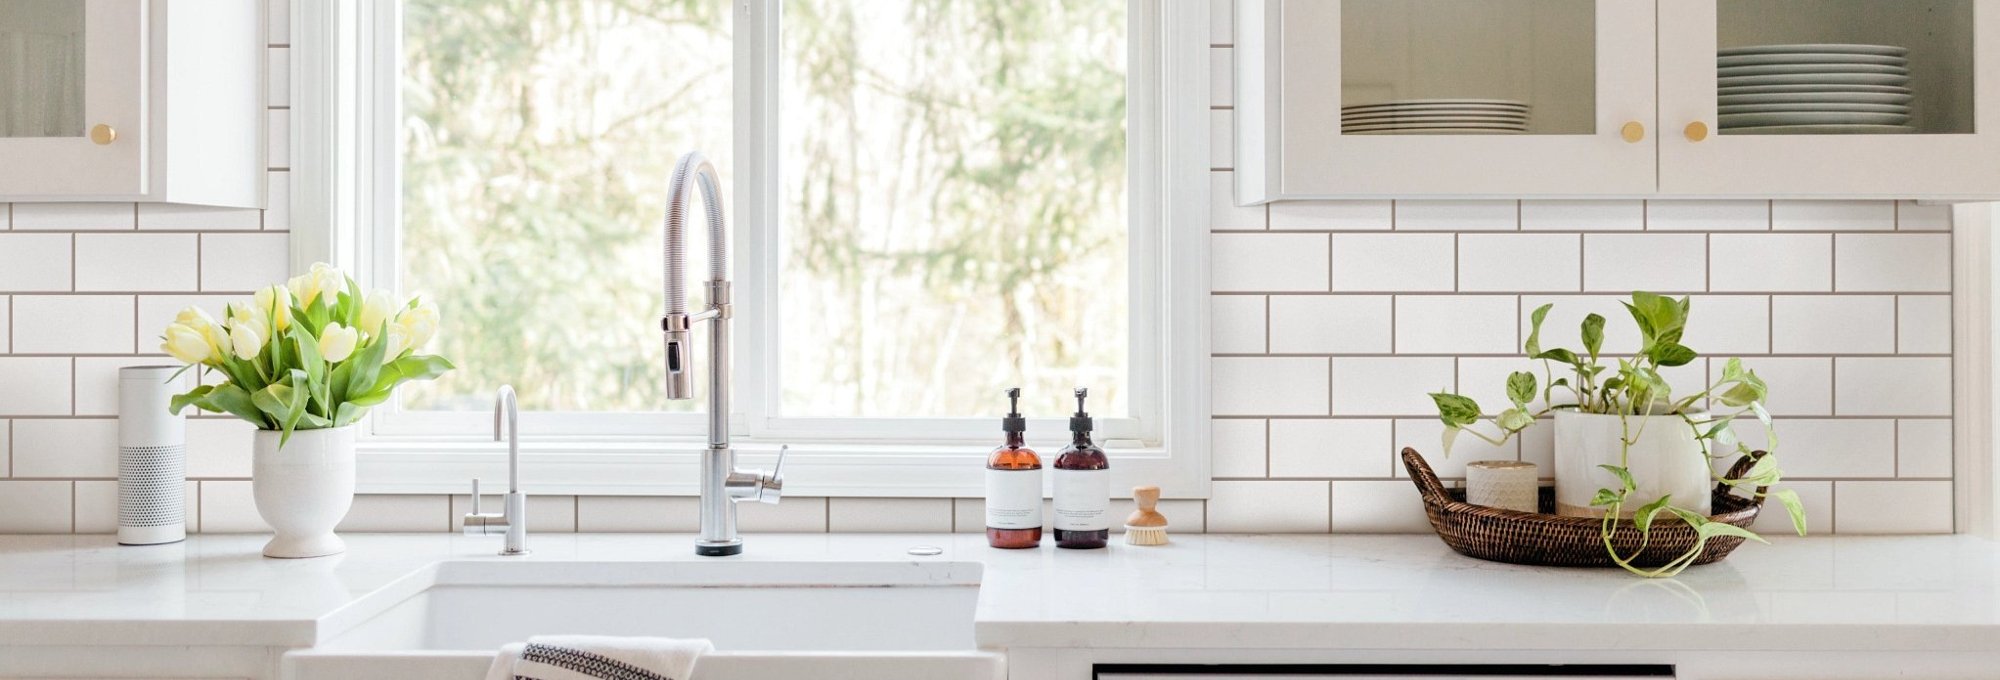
x=1014 y=499
x=1083 y=500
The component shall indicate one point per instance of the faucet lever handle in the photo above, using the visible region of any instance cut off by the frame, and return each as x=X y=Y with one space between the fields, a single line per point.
x=774 y=483
x=475 y=495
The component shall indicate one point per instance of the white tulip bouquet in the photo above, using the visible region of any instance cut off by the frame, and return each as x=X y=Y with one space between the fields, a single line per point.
x=312 y=353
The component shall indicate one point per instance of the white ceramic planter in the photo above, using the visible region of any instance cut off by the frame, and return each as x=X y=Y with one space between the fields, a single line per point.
x=1666 y=459
x=304 y=489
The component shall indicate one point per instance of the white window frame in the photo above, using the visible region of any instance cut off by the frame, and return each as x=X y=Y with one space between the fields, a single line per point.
x=345 y=57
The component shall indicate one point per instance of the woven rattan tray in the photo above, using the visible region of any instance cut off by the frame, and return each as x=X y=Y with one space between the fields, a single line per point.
x=1548 y=539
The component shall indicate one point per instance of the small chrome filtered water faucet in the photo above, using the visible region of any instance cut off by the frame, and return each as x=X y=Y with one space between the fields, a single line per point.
x=722 y=483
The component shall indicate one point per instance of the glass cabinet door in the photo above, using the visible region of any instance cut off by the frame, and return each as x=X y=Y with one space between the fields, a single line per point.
x=1868 y=97
x=72 y=78
x=1457 y=97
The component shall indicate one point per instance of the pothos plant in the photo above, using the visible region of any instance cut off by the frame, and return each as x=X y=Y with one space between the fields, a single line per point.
x=1635 y=391
x=311 y=353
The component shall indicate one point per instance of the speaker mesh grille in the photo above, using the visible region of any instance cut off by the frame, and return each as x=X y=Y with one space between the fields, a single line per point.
x=150 y=485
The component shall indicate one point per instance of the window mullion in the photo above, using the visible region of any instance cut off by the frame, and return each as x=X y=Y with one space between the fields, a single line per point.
x=755 y=254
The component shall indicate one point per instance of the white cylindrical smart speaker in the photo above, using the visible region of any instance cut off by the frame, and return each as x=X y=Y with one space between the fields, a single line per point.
x=152 y=458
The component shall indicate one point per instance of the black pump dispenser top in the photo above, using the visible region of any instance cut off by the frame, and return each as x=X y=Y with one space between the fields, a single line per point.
x=1080 y=422
x=1014 y=422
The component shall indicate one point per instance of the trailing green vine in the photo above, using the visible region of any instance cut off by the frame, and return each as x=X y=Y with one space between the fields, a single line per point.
x=1637 y=388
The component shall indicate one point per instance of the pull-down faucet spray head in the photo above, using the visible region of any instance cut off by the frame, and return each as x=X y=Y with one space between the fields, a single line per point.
x=692 y=169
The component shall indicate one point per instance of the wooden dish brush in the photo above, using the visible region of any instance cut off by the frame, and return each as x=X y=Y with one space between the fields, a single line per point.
x=1146 y=526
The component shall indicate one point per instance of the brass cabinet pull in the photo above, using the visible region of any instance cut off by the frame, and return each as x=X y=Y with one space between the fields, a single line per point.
x=1697 y=131
x=1633 y=132
x=103 y=134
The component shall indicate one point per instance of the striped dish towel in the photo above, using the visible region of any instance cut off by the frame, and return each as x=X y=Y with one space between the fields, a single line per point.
x=591 y=657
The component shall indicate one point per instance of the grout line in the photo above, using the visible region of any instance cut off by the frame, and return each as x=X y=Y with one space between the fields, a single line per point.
x=72 y=507
x=1707 y=262
x=1896 y=321
x=1896 y=447
x=1896 y=215
x=1456 y=264
x=1267 y=324
x=1358 y=293
x=1267 y=447
x=1833 y=262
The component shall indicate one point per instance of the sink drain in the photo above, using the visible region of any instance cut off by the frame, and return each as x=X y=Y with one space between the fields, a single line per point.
x=926 y=551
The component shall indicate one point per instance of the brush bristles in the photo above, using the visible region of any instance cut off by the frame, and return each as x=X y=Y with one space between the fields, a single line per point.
x=1145 y=535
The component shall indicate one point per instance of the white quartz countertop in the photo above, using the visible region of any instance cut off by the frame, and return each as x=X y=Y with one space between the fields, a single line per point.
x=1213 y=591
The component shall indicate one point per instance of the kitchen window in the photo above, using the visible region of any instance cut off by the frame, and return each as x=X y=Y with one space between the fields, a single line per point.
x=929 y=202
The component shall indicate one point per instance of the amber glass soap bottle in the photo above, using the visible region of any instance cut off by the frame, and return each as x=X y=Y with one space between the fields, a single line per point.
x=1014 y=485
x=1082 y=486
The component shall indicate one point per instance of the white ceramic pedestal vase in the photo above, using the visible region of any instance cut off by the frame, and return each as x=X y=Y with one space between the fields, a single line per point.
x=1666 y=459
x=304 y=489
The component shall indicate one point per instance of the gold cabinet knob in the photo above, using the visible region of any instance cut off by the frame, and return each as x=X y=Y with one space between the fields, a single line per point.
x=1633 y=132
x=102 y=134
x=1697 y=131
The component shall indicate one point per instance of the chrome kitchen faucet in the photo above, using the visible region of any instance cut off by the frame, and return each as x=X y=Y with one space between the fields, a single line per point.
x=514 y=510
x=722 y=484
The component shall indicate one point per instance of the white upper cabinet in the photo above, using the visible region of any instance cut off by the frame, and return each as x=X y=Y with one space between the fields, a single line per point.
x=1565 y=98
x=1889 y=98
x=131 y=100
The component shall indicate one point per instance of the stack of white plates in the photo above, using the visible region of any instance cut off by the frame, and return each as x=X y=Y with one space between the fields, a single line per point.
x=1813 y=89
x=1436 y=117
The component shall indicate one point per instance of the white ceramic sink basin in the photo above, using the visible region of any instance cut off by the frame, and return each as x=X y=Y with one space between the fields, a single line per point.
x=876 y=620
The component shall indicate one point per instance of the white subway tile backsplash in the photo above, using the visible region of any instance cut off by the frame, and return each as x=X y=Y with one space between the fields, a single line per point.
x=1923 y=448
x=1832 y=448
x=279 y=144
x=1237 y=447
x=73 y=324
x=638 y=514
x=1833 y=324
x=1221 y=144
x=1563 y=325
x=1426 y=435
x=219 y=447
x=1456 y=324
x=35 y=506
x=1774 y=523
x=1708 y=215
x=66 y=448
x=1236 y=324
x=1458 y=215
x=1771 y=262
x=1660 y=263
x=1892 y=386
x=1333 y=215
x=97 y=382
x=401 y=513
x=546 y=513
x=1378 y=507
x=74 y=216
x=135 y=262
x=1724 y=324
x=6 y=447
x=229 y=507
x=1923 y=324
x=1221 y=77
x=198 y=217
x=794 y=516
x=1268 y=262
x=1898 y=507
x=278 y=76
x=35 y=262
x=243 y=262
x=1221 y=22
x=97 y=506
x=1800 y=386
x=1389 y=385
x=1224 y=214
x=1583 y=215
x=1393 y=262
x=889 y=515
x=1184 y=516
x=1833 y=215
x=1331 y=324
x=1268 y=386
x=34 y=386
x=1277 y=506
x=1913 y=217
x=278 y=199
x=6 y=324
x=1900 y=263
x=1330 y=448
x=1519 y=262
x=278 y=29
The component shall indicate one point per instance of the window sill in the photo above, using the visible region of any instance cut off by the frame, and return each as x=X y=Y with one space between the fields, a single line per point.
x=657 y=467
